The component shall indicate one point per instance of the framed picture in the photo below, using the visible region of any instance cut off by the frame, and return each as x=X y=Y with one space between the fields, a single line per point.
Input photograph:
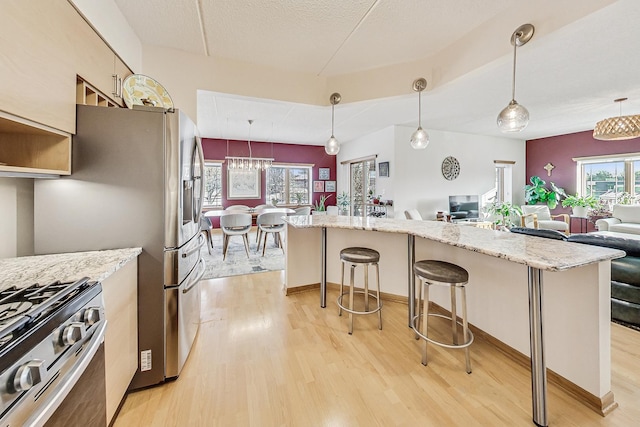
x=330 y=186
x=243 y=184
x=325 y=173
x=318 y=186
x=383 y=169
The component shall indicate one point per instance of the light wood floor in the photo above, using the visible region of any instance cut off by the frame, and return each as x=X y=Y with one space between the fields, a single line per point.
x=265 y=359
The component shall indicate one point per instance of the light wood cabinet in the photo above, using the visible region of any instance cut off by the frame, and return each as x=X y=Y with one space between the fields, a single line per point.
x=45 y=46
x=27 y=147
x=120 y=293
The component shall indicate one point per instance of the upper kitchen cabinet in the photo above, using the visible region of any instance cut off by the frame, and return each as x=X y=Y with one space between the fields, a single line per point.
x=44 y=47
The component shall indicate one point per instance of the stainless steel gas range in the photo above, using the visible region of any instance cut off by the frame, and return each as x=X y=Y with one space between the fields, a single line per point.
x=51 y=341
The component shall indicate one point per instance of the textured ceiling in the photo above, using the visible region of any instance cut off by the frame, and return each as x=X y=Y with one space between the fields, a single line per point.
x=567 y=79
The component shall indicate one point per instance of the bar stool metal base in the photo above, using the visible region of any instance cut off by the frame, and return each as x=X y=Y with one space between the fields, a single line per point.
x=364 y=257
x=454 y=277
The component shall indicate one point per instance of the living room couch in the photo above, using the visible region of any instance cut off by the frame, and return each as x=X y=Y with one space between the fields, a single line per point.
x=624 y=219
x=625 y=272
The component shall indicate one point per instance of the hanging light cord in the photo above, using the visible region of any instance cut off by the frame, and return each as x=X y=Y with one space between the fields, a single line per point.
x=513 y=80
x=332 y=115
x=249 y=141
x=419 y=111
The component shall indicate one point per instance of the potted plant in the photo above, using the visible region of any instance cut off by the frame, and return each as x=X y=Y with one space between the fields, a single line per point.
x=319 y=207
x=299 y=198
x=343 y=202
x=536 y=192
x=503 y=214
x=580 y=205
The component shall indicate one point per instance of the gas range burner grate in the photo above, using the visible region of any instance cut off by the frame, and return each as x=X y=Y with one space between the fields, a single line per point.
x=20 y=308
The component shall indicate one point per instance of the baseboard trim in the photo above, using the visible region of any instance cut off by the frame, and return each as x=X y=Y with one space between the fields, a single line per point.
x=603 y=406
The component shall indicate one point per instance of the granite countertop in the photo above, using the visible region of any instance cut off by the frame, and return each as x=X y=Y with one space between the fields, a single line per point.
x=537 y=252
x=97 y=265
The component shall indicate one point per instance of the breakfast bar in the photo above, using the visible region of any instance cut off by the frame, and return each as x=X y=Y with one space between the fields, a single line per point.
x=575 y=307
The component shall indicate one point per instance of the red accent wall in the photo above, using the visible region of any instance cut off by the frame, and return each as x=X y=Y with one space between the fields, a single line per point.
x=560 y=150
x=218 y=149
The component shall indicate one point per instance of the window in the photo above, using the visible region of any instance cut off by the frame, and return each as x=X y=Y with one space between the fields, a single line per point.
x=362 y=186
x=212 y=184
x=289 y=184
x=606 y=177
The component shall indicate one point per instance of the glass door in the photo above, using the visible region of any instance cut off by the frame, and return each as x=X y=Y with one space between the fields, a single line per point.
x=362 y=178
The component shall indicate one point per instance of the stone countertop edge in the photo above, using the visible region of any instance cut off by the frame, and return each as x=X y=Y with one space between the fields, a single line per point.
x=536 y=252
x=43 y=269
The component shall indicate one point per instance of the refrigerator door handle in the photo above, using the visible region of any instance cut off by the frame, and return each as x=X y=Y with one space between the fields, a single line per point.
x=201 y=177
x=201 y=242
x=197 y=279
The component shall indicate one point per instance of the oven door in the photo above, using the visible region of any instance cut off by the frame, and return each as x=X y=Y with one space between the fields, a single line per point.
x=80 y=399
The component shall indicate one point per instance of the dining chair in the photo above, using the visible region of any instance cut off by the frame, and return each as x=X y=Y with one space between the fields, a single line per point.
x=205 y=227
x=412 y=214
x=237 y=208
x=303 y=210
x=235 y=224
x=270 y=222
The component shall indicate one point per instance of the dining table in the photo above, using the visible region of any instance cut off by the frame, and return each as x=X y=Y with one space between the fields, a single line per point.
x=253 y=212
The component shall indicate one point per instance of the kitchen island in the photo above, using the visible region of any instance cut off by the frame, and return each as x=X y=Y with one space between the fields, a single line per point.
x=504 y=294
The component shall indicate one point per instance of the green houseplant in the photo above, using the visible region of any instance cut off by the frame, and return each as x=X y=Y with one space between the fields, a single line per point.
x=319 y=206
x=503 y=213
x=537 y=192
x=343 y=202
x=580 y=205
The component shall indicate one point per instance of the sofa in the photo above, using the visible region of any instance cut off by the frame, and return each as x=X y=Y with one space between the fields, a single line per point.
x=624 y=219
x=625 y=272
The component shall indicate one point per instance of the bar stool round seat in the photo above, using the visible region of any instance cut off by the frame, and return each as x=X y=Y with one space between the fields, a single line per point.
x=365 y=257
x=442 y=273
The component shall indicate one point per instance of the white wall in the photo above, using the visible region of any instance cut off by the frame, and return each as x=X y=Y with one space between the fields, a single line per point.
x=380 y=143
x=16 y=217
x=415 y=179
x=418 y=179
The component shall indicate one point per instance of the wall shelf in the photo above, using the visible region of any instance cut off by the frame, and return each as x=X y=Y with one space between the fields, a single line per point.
x=30 y=148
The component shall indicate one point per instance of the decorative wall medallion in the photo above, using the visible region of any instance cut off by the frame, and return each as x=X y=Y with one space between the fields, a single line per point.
x=450 y=168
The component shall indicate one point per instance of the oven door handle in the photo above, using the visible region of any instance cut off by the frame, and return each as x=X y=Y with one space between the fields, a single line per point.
x=71 y=378
x=195 y=281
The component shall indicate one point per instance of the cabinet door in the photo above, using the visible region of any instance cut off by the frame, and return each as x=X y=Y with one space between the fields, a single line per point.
x=122 y=71
x=120 y=293
x=38 y=80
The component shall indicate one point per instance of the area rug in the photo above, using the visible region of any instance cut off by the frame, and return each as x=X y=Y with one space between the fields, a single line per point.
x=236 y=262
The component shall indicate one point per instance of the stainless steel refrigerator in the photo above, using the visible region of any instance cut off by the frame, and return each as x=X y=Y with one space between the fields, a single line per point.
x=136 y=182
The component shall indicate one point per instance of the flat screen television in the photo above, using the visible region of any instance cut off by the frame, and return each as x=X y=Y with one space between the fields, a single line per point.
x=464 y=207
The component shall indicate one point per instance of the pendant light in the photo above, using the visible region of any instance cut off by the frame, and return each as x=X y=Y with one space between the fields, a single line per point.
x=618 y=128
x=332 y=146
x=419 y=138
x=515 y=117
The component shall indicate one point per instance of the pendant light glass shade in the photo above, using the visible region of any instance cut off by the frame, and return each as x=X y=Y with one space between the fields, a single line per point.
x=618 y=128
x=514 y=117
x=419 y=138
x=332 y=146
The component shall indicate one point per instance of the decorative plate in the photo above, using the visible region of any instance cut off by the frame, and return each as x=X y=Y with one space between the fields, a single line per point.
x=138 y=89
x=450 y=168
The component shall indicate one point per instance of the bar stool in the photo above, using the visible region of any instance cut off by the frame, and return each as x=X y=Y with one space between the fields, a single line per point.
x=432 y=272
x=360 y=256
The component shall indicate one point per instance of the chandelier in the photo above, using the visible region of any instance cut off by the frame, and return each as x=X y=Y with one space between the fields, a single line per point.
x=618 y=128
x=248 y=163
